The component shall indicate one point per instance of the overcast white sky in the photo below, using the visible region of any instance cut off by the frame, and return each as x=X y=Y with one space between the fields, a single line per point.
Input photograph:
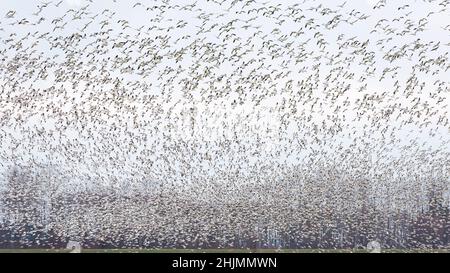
x=208 y=117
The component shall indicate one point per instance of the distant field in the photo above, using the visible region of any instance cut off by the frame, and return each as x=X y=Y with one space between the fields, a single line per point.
x=224 y=251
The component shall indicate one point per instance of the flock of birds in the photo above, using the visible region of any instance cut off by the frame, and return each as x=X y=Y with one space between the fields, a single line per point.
x=194 y=121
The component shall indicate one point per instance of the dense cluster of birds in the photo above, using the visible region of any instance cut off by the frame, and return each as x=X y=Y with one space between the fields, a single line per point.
x=199 y=122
